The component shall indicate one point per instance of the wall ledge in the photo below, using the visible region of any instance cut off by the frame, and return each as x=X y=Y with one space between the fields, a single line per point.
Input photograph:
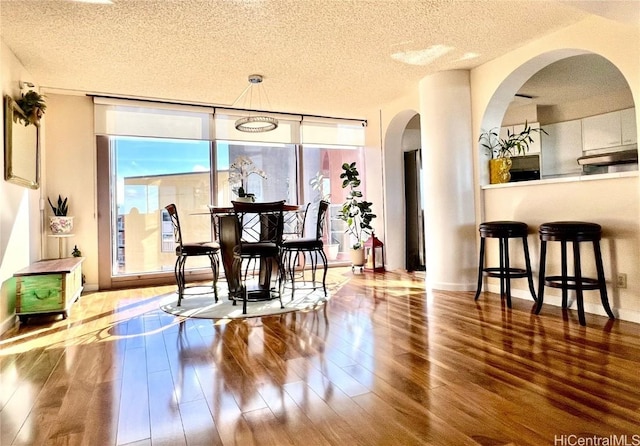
x=567 y=179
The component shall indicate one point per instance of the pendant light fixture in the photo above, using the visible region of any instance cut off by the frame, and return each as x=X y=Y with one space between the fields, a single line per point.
x=255 y=123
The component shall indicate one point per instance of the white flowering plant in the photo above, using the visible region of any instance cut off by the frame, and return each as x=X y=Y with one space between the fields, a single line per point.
x=239 y=172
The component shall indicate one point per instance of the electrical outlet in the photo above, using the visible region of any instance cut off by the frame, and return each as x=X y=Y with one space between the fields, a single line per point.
x=622 y=281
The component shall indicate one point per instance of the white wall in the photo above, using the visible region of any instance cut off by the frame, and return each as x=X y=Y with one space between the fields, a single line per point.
x=70 y=165
x=20 y=228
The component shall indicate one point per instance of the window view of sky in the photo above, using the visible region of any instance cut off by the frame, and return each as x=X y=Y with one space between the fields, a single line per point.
x=140 y=157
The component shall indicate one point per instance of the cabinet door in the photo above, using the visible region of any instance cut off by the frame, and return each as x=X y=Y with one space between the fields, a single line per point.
x=561 y=149
x=629 y=126
x=601 y=131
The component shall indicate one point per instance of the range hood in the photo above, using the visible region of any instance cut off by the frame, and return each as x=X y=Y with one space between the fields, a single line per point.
x=610 y=158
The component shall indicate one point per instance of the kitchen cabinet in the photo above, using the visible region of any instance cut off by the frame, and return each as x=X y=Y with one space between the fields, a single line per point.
x=534 y=147
x=629 y=126
x=609 y=130
x=601 y=131
x=561 y=148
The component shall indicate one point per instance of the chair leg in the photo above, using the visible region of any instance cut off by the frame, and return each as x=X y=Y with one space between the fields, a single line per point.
x=325 y=265
x=281 y=278
x=180 y=279
x=213 y=258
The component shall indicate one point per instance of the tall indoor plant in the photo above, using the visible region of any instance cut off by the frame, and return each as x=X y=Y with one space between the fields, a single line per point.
x=355 y=212
x=501 y=150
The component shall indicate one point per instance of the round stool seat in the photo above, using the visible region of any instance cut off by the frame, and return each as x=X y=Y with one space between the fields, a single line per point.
x=498 y=229
x=578 y=231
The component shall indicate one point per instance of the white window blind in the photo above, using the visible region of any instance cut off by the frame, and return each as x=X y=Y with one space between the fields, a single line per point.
x=288 y=131
x=119 y=117
x=334 y=132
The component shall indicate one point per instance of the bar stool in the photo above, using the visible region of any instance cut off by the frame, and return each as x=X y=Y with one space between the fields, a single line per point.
x=575 y=232
x=503 y=231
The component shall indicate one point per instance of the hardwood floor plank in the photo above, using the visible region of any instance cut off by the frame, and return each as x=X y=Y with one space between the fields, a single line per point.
x=133 y=420
x=199 y=427
x=391 y=364
x=165 y=417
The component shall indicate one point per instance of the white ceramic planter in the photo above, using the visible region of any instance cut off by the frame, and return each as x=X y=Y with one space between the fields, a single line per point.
x=61 y=225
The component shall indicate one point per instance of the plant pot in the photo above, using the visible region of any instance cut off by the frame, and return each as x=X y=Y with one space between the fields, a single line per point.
x=61 y=225
x=245 y=199
x=499 y=170
x=357 y=257
x=332 y=250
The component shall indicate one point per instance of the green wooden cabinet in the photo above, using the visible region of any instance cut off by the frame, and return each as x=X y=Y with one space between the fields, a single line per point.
x=49 y=286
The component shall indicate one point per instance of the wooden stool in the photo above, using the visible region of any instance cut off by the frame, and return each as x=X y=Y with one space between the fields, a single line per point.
x=576 y=232
x=504 y=230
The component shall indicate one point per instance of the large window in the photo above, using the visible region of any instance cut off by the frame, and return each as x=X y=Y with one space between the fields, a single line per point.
x=277 y=161
x=148 y=174
x=156 y=156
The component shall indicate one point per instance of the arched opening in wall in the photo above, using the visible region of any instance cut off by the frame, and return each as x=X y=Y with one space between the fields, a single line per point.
x=585 y=107
x=414 y=209
x=405 y=241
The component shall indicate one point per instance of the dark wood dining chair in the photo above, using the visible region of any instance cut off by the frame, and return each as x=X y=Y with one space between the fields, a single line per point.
x=260 y=228
x=184 y=250
x=292 y=249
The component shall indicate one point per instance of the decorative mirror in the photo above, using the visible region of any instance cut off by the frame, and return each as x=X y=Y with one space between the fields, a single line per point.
x=21 y=147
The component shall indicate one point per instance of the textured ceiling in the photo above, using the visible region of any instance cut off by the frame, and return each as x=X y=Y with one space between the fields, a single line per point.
x=327 y=57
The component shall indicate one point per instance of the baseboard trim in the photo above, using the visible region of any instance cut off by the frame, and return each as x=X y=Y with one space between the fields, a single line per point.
x=556 y=301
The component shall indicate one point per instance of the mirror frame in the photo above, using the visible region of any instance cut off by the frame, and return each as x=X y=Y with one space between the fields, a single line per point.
x=13 y=114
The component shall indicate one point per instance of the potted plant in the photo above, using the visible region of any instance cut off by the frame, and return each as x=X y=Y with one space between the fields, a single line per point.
x=239 y=172
x=355 y=212
x=60 y=223
x=33 y=106
x=501 y=150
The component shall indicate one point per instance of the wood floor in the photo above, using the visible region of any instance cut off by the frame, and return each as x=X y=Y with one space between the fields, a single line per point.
x=390 y=365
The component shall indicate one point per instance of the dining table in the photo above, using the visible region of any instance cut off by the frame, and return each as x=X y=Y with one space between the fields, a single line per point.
x=225 y=229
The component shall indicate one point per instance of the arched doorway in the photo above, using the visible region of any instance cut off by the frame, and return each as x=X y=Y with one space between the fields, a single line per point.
x=403 y=195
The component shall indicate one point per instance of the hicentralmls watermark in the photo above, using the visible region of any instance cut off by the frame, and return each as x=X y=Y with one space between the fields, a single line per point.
x=596 y=440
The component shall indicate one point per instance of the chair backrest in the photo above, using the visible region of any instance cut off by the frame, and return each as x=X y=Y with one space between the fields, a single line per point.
x=294 y=217
x=322 y=213
x=259 y=222
x=175 y=222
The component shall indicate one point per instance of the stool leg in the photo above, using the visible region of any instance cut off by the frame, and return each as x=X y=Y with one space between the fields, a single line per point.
x=507 y=271
x=480 y=268
x=564 y=274
x=543 y=255
x=500 y=241
x=527 y=262
x=578 y=278
x=601 y=281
